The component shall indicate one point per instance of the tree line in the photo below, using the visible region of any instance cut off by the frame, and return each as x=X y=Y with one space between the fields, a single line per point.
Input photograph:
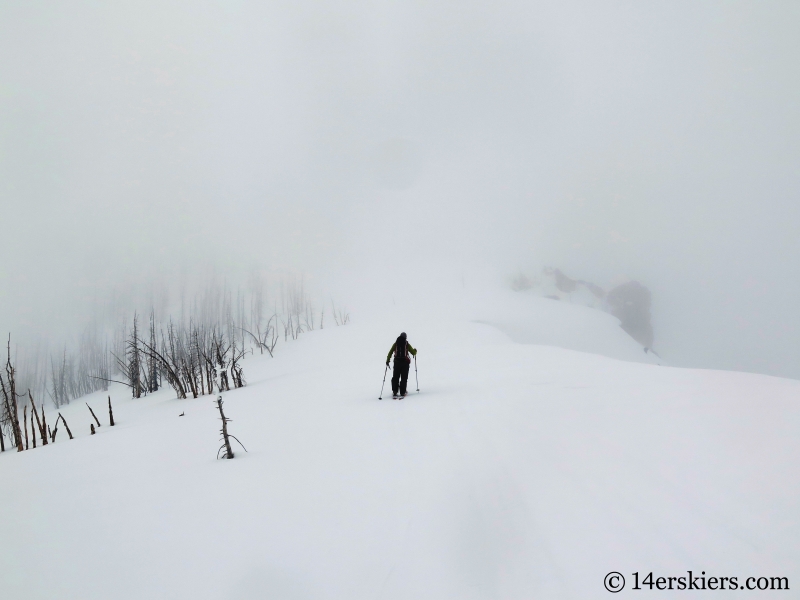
x=198 y=352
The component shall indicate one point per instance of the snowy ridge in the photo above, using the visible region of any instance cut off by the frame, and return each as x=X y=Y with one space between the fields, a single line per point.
x=520 y=471
x=530 y=319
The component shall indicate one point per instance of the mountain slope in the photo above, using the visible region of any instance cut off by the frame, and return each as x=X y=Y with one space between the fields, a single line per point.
x=520 y=471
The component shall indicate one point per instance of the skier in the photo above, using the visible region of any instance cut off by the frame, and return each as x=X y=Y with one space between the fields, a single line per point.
x=402 y=362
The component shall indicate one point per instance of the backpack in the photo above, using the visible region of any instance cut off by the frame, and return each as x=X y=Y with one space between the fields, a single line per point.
x=401 y=351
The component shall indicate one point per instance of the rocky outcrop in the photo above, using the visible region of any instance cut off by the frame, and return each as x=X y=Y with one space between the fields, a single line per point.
x=630 y=303
x=563 y=283
x=568 y=285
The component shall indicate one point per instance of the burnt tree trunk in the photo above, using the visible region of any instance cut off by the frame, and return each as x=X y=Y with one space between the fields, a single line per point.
x=63 y=420
x=33 y=431
x=45 y=427
x=38 y=423
x=110 y=412
x=96 y=420
x=227 y=441
x=25 y=424
x=92 y=427
x=152 y=363
x=10 y=400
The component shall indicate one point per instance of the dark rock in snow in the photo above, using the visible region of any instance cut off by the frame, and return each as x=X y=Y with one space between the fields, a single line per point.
x=630 y=303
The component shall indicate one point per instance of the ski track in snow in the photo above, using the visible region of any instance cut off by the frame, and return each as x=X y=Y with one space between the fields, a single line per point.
x=520 y=471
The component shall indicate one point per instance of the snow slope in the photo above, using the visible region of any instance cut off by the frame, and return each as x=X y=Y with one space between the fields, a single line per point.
x=520 y=471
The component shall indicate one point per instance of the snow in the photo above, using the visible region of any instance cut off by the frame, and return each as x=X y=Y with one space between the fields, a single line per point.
x=521 y=470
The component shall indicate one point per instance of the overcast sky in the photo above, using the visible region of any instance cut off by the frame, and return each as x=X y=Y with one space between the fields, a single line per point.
x=652 y=140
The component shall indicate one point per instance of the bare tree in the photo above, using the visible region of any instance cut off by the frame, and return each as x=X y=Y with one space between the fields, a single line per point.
x=153 y=372
x=10 y=417
x=168 y=360
x=226 y=442
x=266 y=339
x=134 y=360
x=340 y=316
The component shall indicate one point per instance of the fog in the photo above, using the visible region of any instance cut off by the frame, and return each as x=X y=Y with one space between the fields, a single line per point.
x=382 y=146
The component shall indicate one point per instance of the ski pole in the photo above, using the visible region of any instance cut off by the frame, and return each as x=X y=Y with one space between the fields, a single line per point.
x=384 y=382
x=416 y=374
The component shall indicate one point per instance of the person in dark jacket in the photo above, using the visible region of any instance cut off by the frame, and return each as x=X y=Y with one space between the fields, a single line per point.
x=402 y=351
